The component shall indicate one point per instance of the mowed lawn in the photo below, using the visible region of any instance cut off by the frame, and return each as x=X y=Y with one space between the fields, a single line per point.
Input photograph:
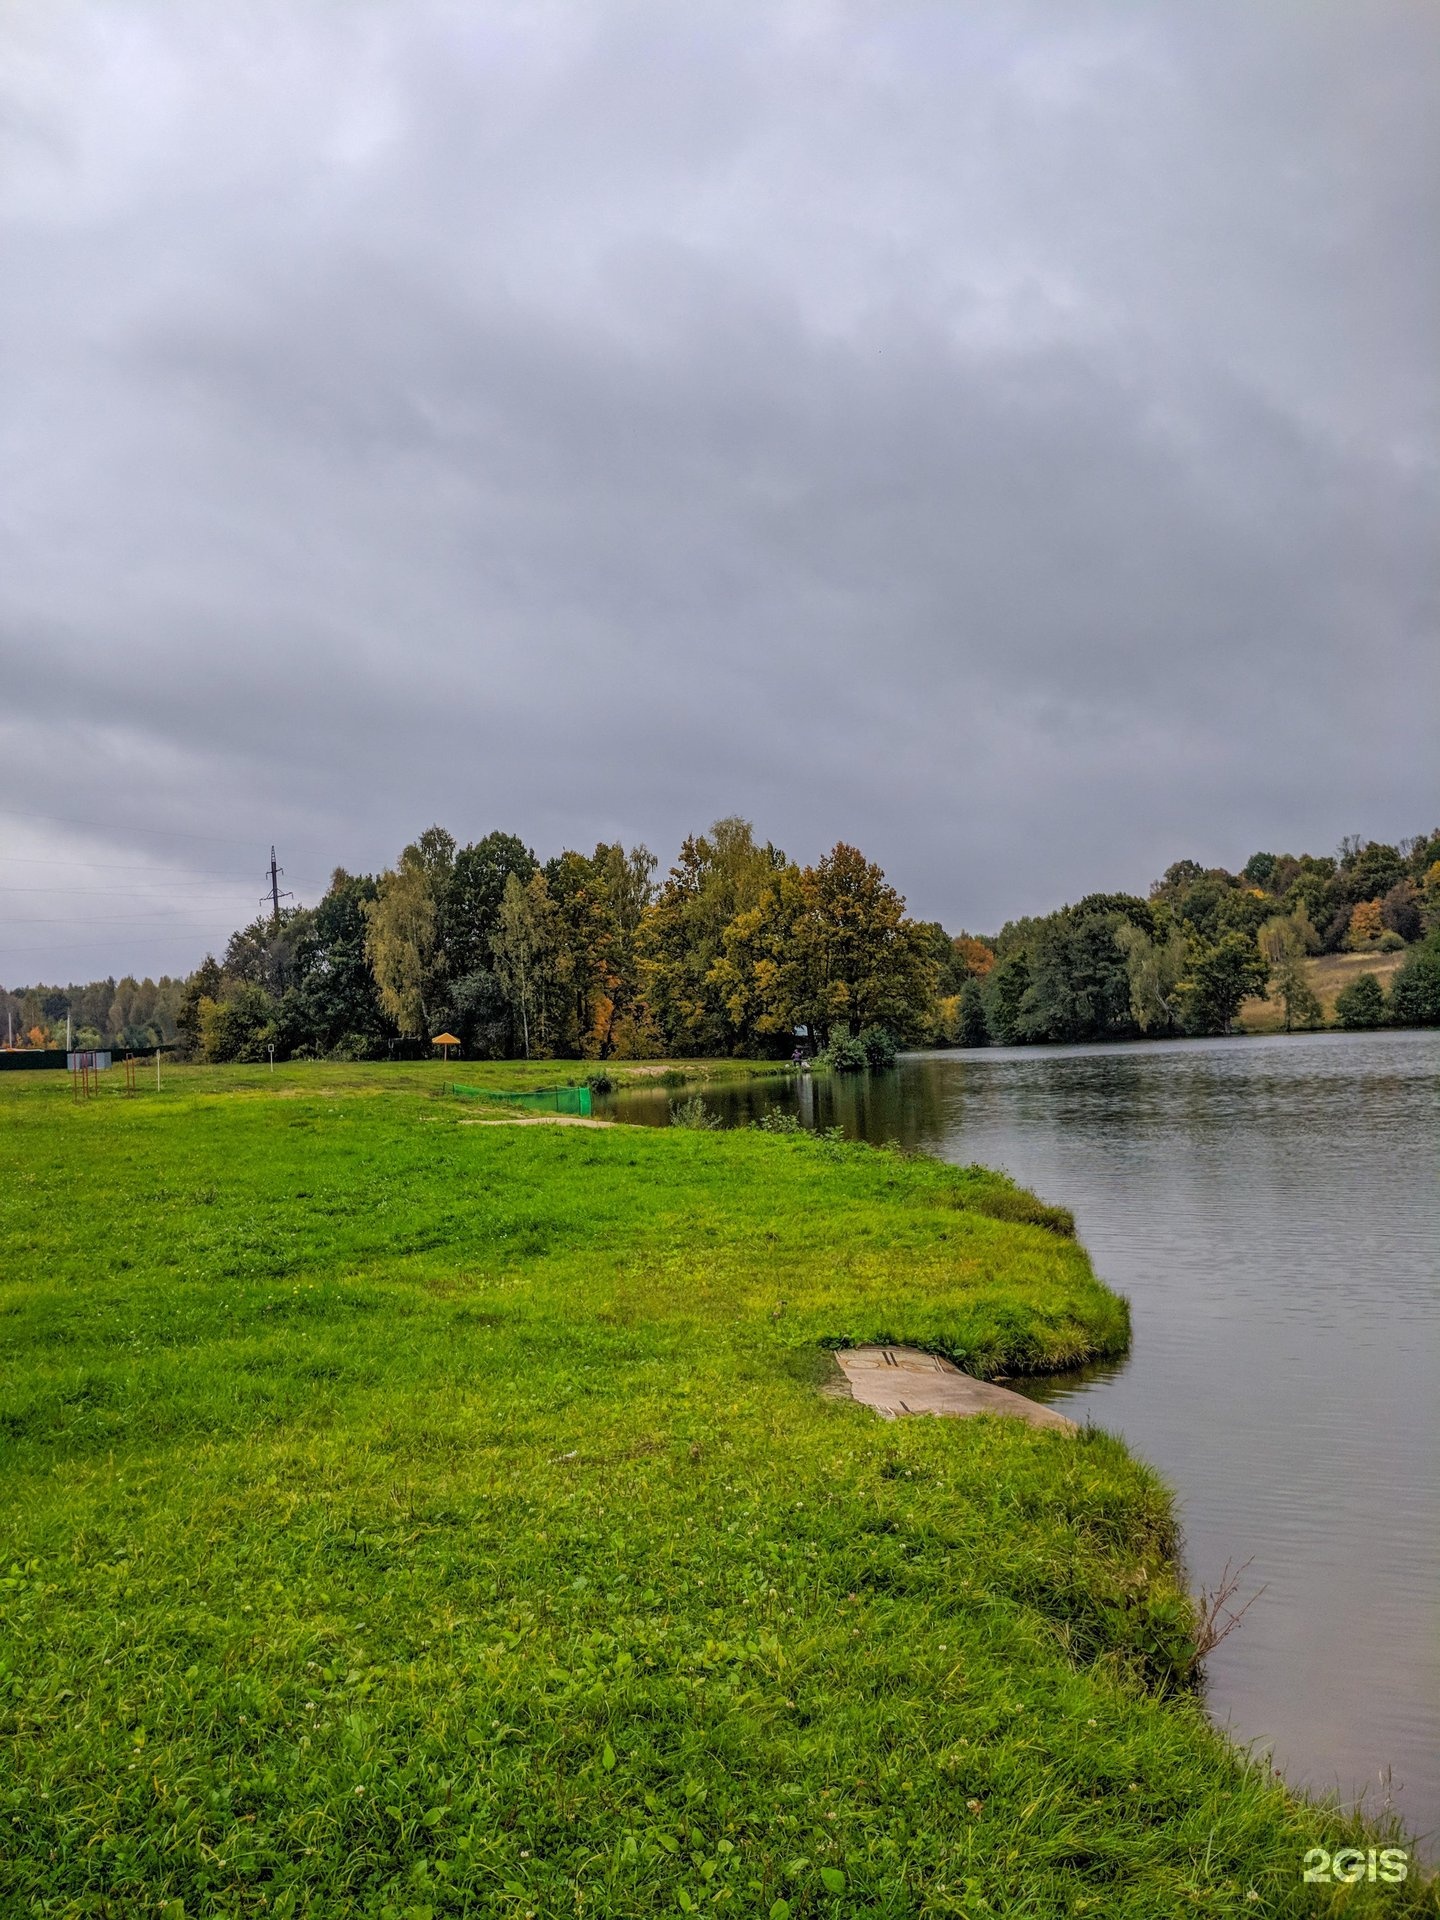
x=412 y=1517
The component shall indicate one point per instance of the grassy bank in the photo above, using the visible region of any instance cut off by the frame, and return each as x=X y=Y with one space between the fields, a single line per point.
x=326 y=1079
x=408 y=1517
x=1328 y=974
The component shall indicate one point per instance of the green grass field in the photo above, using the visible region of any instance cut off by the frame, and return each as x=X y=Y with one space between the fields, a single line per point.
x=407 y=1517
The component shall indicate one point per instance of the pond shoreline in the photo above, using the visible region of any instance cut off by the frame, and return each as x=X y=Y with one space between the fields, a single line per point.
x=1265 y=1207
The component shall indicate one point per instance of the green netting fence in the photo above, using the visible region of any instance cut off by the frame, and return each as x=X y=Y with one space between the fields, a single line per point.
x=538 y=1100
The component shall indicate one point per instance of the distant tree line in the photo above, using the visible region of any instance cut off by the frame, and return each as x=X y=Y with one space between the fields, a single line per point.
x=1184 y=960
x=137 y=1014
x=740 y=951
x=737 y=950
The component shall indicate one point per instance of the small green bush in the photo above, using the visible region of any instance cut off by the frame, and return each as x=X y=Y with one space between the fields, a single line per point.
x=599 y=1083
x=353 y=1046
x=843 y=1055
x=694 y=1113
x=1361 y=1005
x=880 y=1047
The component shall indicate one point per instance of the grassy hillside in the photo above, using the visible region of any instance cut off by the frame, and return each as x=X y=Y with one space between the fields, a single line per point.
x=413 y=1518
x=1328 y=973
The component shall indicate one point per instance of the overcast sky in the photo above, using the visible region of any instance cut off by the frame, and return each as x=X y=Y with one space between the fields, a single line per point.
x=1000 y=435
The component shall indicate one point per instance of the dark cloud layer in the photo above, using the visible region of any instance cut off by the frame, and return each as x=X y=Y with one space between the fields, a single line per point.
x=1005 y=436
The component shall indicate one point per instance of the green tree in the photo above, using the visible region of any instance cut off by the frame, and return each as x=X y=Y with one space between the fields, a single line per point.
x=1313 y=890
x=240 y=1026
x=263 y=953
x=533 y=964
x=1415 y=990
x=1283 y=942
x=1153 y=971
x=1079 y=984
x=766 y=987
x=1361 y=1004
x=576 y=891
x=1243 y=910
x=403 y=946
x=974 y=1029
x=141 y=1014
x=696 y=993
x=1297 y=996
x=1430 y=899
x=627 y=881
x=1124 y=906
x=404 y=927
x=473 y=893
x=1006 y=986
x=1400 y=910
x=100 y=1006
x=600 y=902
x=842 y=954
x=1194 y=895
x=203 y=984
x=1220 y=976
x=878 y=1045
x=334 y=1006
x=481 y=1013
x=1368 y=869
x=951 y=960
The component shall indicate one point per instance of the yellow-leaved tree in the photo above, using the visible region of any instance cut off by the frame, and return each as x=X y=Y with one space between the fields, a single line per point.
x=1284 y=942
x=829 y=948
x=404 y=932
x=1366 y=926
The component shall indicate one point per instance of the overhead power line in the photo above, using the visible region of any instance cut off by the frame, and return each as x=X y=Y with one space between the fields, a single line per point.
x=114 y=828
x=106 y=947
x=121 y=893
x=130 y=887
x=144 y=925
x=115 y=866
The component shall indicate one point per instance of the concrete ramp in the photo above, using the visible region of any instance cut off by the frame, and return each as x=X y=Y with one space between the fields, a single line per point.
x=896 y=1380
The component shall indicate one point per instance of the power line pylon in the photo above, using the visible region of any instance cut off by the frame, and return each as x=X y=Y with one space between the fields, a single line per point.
x=276 y=894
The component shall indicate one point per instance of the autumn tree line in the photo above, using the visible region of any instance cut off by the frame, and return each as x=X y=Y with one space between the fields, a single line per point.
x=740 y=951
x=585 y=956
x=1184 y=960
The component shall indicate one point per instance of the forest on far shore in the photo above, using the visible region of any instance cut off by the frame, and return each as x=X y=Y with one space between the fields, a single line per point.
x=739 y=951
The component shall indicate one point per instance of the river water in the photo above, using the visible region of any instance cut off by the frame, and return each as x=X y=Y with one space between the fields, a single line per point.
x=1270 y=1209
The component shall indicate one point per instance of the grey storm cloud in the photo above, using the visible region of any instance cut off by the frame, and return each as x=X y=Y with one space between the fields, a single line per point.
x=1004 y=436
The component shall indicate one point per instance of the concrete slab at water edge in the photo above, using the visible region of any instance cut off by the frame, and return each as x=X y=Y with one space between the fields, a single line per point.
x=896 y=1380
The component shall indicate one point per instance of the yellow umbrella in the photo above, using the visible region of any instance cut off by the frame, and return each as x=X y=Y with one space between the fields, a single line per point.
x=446 y=1040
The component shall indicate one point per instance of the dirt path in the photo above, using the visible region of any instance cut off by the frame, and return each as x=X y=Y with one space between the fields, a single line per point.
x=896 y=1380
x=539 y=1120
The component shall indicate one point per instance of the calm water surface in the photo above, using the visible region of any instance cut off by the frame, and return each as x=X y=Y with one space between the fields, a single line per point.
x=1270 y=1209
